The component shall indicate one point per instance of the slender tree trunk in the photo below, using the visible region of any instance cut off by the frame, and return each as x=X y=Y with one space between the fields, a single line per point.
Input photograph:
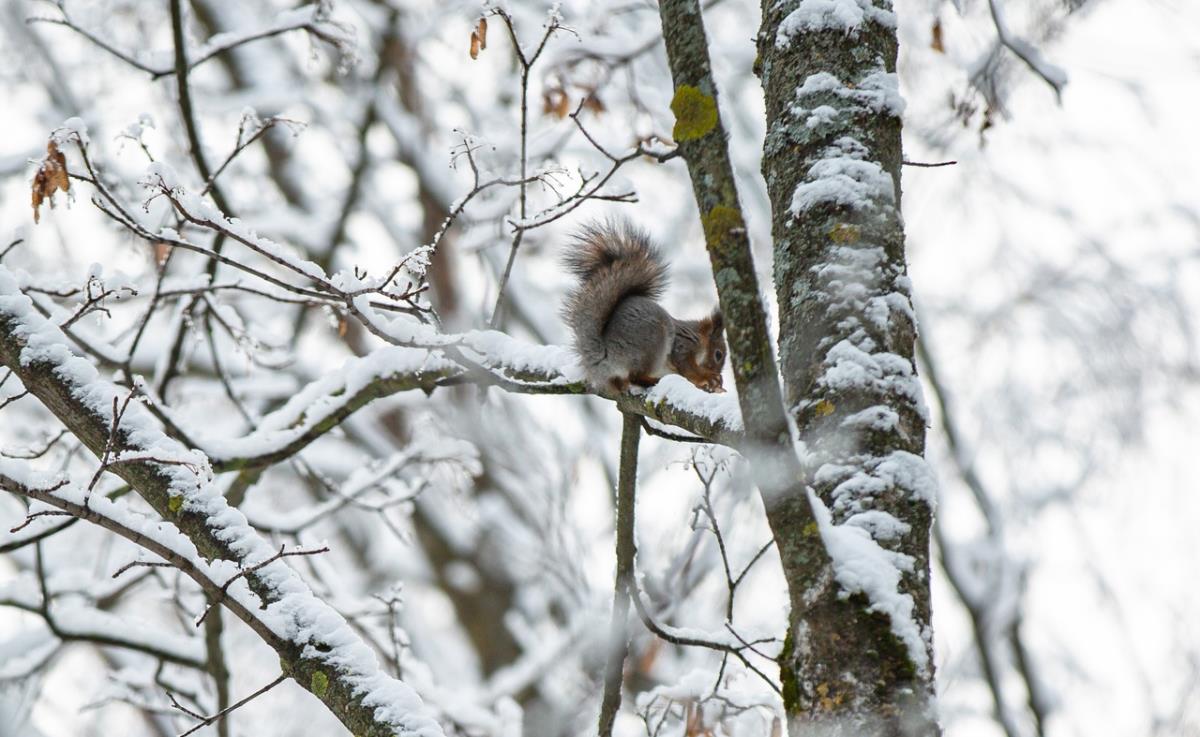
x=858 y=656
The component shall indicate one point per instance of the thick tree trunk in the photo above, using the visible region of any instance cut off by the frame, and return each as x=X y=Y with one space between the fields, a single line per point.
x=858 y=656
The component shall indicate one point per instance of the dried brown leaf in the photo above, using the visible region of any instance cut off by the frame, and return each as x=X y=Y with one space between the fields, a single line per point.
x=694 y=725
x=479 y=38
x=556 y=102
x=162 y=249
x=937 y=43
x=51 y=177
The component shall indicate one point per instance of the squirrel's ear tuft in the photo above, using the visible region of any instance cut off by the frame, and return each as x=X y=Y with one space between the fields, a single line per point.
x=718 y=320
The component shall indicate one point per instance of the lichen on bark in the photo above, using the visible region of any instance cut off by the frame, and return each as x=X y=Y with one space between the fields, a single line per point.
x=832 y=158
x=695 y=113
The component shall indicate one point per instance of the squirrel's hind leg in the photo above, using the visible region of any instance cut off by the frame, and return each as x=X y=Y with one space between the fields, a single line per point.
x=643 y=380
x=619 y=384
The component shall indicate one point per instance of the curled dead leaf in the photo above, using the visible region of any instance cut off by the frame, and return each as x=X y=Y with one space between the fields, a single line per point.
x=556 y=102
x=937 y=43
x=51 y=177
x=162 y=249
x=694 y=725
x=479 y=38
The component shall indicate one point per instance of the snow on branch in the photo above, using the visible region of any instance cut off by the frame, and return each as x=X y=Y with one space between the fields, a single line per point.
x=488 y=358
x=77 y=621
x=1054 y=75
x=323 y=404
x=206 y=538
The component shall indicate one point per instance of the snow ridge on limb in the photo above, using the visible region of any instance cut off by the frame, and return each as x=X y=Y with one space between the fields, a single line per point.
x=485 y=357
x=316 y=645
x=497 y=359
x=847 y=16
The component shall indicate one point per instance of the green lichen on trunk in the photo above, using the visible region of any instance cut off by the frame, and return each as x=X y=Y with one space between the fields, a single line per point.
x=696 y=105
x=767 y=443
x=695 y=113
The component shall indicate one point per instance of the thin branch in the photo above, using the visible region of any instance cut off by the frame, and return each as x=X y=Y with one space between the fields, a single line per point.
x=101 y=43
x=225 y=712
x=10 y=247
x=928 y=165
x=1025 y=51
x=29 y=518
x=626 y=550
x=650 y=624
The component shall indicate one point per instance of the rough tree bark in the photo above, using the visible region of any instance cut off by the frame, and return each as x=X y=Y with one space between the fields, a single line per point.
x=857 y=657
x=832 y=163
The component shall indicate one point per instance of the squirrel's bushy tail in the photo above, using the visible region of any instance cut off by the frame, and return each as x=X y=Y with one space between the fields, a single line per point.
x=612 y=260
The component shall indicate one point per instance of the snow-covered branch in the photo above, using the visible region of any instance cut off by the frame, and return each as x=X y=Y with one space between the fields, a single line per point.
x=205 y=538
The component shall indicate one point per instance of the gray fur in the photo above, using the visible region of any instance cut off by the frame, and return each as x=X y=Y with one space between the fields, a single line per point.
x=621 y=332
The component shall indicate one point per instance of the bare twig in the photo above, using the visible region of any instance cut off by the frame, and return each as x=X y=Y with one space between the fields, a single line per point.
x=140 y=564
x=29 y=518
x=205 y=721
x=929 y=165
x=10 y=247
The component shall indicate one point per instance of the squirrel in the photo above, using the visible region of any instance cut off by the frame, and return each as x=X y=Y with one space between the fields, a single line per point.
x=622 y=335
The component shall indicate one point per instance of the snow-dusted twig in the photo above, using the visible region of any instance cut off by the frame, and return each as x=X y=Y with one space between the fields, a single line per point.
x=1051 y=74
x=526 y=63
x=205 y=721
x=310 y=18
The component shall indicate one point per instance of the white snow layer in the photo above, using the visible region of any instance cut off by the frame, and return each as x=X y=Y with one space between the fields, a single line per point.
x=295 y=614
x=861 y=565
x=847 y=16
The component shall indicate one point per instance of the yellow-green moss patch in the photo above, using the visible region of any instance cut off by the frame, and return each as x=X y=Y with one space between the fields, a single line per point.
x=319 y=683
x=695 y=113
x=719 y=222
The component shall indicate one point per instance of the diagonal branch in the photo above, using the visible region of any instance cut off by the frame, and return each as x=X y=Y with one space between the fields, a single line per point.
x=330 y=660
x=701 y=138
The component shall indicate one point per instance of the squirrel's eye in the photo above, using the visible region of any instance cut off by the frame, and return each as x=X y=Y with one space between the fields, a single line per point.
x=718 y=355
